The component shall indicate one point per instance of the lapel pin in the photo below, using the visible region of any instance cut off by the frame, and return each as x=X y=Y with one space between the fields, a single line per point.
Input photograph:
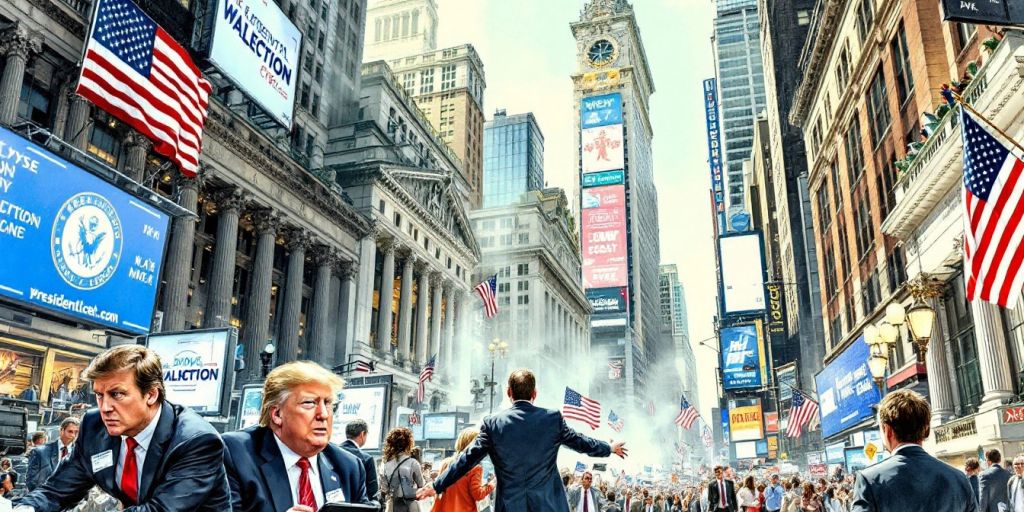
x=334 y=478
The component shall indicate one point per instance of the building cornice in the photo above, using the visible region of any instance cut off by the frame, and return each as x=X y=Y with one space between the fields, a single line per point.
x=816 y=51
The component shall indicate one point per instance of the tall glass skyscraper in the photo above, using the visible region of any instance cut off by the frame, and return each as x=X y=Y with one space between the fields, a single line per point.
x=513 y=158
x=740 y=88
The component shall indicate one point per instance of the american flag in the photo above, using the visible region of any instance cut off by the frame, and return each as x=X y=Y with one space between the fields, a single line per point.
x=706 y=436
x=801 y=412
x=614 y=369
x=365 y=367
x=992 y=225
x=687 y=414
x=427 y=373
x=486 y=290
x=579 y=407
x=615 y=422
x=137 y=72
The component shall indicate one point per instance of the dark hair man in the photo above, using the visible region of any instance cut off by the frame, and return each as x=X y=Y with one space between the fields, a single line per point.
x=38 y=438
x=523 y=443
x=355 y=438
x=721 y=493
x=137 y=447
x=992 y=491
x=894 y=485
x=971 y=469
x=43 y=461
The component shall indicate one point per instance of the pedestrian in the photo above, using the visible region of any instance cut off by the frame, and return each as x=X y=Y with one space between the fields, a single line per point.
x=773 y=493
x=746 y=497
x=400 y=474
x=971 y=469
x=583 y=497
x=43 y=461
x=355 y=438
x=992 y=484
x=721 y=493
x=795 y=495
x=613 y=506
x=760 y=497
x=470 y=489
x=810 y=501
x=1015 y=486
x=895 y=484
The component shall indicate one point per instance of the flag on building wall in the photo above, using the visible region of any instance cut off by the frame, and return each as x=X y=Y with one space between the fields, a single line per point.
x=800 y=413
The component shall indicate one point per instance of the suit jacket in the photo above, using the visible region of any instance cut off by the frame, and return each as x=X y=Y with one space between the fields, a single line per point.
x=974 y=485
x=730 y=495
x=42 y=461
x=908 y=481
x=372 y=486
x=576 y=494
x=992 y=489
x=523 y=443
x=1014 y=487
x=259 y=480
x=183 y=471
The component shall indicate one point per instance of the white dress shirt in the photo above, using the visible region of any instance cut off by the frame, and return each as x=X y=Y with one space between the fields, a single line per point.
x=291 y=465
x=585 y=494
x=143 y=438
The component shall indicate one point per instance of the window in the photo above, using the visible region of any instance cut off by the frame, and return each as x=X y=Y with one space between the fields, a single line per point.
x=835 y=332
x=523 y=286
x=524 y=238
x=304 y=96
x=427 y=81
x=34 y=104
x=964 y=33
x=878 y=108
x=831 y=280
x=837 y=191
x=865 y=17
x=863 y=230
x=398 y=220
x=896 y=269
x=871 y=292
x=886 y=185
x=506 y=223
x=506 y=240
x=504 y=287
x=103 y=144
x=447 y=77
x=523 y=269
x=523 y=300
x=854 y=151
x=843 y=67
x=824 y=209
x=901 y=59
x=960 y=326
x=409 y=82
x=803 y=17
x=844 y=249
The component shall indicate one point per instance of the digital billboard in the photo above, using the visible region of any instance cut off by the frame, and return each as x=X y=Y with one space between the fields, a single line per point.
x=785 y=378
x=74 y=244
x=603 y=148
x=198 y=367
x=600 y=179
x=602 y=110
x=607 y=300
x=439 y=426
x=746 y=422
x=743 y=357
x=834 y=452
x=714 y=149
x=742 y=273
x=250 y=404
x=369 y=403
x=258 y=48
x=725 y=426
x=846 y=390
x=604 y=237
x=746 y=449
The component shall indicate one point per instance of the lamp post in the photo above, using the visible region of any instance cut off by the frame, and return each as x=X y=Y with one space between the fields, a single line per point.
x=497 y=348
x=882 y=336
x=265 y=357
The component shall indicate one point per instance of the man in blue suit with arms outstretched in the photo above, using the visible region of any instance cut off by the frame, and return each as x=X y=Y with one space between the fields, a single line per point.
x=523 y=443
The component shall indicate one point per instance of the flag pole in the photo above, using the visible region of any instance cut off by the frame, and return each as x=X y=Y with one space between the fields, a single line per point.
x=963 y=104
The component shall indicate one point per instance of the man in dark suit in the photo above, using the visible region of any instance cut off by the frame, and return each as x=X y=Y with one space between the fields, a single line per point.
x=523 y=443
x=139 y=448
x=721 y=493
x=355 y=439
x=992 y=494
x=971 y=469
x=287 y=463
x=43 y=461
x=909 y=478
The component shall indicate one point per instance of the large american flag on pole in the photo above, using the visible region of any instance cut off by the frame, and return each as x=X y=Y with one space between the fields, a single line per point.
x=687 y=414
x=138 y=73
x=800 y=413
x=994 y=206
x=579 y=407
x=486 y=291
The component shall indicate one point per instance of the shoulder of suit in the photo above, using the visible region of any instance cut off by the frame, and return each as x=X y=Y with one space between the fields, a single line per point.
x=333 y=451
x=190 y=425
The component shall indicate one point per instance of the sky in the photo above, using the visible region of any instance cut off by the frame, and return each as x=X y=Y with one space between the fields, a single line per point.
x=529 y=54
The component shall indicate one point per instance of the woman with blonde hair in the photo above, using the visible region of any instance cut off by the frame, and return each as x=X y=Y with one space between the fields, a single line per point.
x=463 y=495
x=400 y=474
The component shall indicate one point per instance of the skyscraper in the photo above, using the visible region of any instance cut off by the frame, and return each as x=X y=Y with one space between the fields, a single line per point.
x=399 y=27
x=513 y=158
x=619 y=204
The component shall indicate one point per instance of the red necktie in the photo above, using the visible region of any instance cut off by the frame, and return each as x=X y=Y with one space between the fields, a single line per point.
x=721 y=492
x=63 y=452
x=130 y=473
x=305 y=489
x=586 y=492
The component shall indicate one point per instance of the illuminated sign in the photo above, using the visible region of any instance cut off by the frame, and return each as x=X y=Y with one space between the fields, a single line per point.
x=604 y=237
x=198 y=367
x=743 y=356
x=742 y=269
x=603 y=148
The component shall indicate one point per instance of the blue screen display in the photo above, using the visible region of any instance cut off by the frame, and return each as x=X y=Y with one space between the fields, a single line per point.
x=75 y=244
x=601 y=110
x=742 y=357
x=846 y=390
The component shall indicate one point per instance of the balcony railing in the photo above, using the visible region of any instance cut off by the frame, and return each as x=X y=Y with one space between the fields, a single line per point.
x=80 y=6
x=958 y=429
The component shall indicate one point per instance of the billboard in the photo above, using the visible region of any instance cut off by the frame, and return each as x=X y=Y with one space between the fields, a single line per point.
x=198 y=367
x=776 y=311
x=714 y=149
x=771 y=422
x=602 y=110
x=743 y=357
x=773 y=447
x=604 y=237
x=742 y=268
x=258 y=48
x=857 y=460
x=439 y=426
x=368 y=403
x=834 y=452
x=250 y=404
x=746 y=422
x=746 y=450
x=600 y=179
x=726 y=437
x=785 y=378
x=602 y=148
x=986 y=12
x=846 y=391
x=74 y=244
x=607 y=300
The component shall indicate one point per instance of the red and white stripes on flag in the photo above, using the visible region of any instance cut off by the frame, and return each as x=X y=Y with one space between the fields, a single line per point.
x=427 y=373
x=687 y=414
x=486 y=291
x=138 y=73
x=581 y=408
x=364 y=367
x=800 y=414
x=993 y=208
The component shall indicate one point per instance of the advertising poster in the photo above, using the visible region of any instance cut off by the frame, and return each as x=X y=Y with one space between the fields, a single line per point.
x=835 y=452
x=198 y=367
x=249 y=406
x=74 y=244
x=607 y=300
x=771 y=422
x=846 y=390
x=773 y=447
x=726 y=436
x=439 y=426
x=746 y=421
x=603 y=178
x=742 y=274
x=602 y=110
x=857 y=460
x=986 y=12
x=604 y=237
x=257 y=47
x=603 y=148
x=743 y=357
x=366 y=403
x=785 y=377
x=714 y=148
x=746 y=449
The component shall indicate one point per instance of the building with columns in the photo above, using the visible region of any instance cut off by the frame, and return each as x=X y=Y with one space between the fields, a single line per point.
x=399 y=28
x=402 y=177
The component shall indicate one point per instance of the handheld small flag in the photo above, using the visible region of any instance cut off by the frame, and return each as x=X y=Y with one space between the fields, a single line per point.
x=615 y=422
x=579 y=407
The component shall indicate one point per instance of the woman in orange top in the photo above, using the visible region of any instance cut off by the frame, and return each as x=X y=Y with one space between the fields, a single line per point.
x=462 y=496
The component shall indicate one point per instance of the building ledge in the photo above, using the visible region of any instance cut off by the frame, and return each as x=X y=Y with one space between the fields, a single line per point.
x=909 y=371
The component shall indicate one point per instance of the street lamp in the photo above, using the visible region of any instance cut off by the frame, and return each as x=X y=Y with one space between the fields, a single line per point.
x=265 y=357
x=497 y=348
x=878 y=362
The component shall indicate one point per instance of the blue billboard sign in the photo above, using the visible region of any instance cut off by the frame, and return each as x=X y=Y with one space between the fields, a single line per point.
x=714 y=148
x=743 y=357
x=75 y=244
x=600 y=179
x=607 y=300
x=601 y=110
x=726 y=434
x=846 y=391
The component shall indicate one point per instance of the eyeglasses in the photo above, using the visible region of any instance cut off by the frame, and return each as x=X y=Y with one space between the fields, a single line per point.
x=1018 y=463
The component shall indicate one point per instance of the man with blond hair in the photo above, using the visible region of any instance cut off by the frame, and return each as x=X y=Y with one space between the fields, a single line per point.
x=137 y=447
x=287 y=463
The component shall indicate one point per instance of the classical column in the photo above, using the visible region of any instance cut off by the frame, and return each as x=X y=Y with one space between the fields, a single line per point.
x=435 y=316
x=137 y=146
x=178 y=269
x=422 y=314
x=222 y=275
x=16 y=45
x=318 y=339
x=256 y=330
x=347 y=272
x=992 y=355
x=387 y=287
x=361 y=315
x=449 y=329
x=61 y=83
x=288 y=332
x=76 y=131
x=405 y=309
x=939 y=390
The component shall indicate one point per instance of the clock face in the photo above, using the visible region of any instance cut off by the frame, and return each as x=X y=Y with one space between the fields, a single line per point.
x=601 y=53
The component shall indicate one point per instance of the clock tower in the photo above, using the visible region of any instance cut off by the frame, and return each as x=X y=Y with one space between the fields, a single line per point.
x=618 y=205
